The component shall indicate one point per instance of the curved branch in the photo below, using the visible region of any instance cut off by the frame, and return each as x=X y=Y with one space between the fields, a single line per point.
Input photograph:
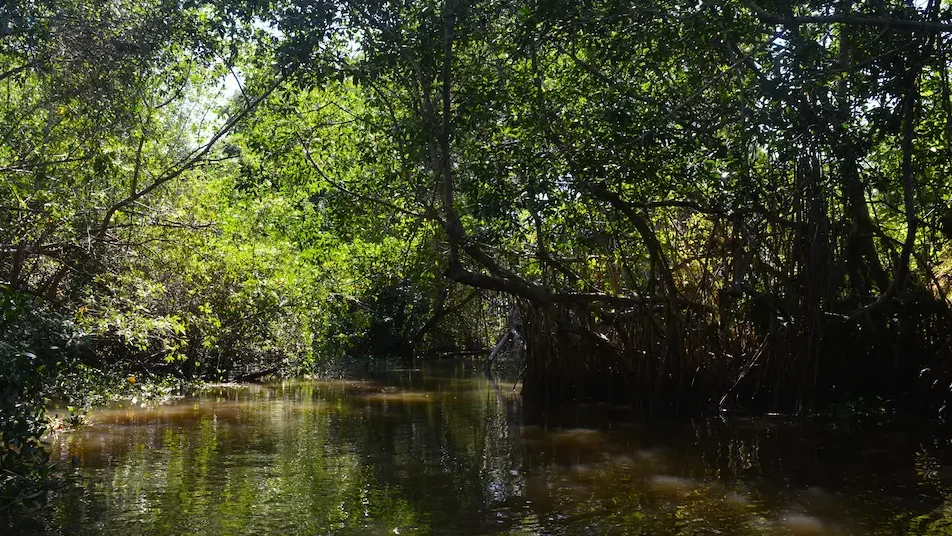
x=188 y=161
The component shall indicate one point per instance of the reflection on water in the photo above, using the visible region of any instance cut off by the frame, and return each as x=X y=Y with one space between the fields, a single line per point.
x=443 y=451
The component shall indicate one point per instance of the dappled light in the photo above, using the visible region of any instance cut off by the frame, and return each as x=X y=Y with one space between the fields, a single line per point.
x=316 y=457
x=475 y=266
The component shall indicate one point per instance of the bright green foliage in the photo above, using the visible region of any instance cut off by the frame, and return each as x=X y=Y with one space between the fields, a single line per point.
x=381 y=260
x=212 y=290
x=695 y=203
x=112 y=257
x=674 y=205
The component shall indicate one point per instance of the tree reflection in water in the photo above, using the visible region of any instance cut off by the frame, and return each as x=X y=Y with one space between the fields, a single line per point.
x=444 y=451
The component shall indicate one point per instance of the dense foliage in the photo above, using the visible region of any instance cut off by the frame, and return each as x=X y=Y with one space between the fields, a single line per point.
x=675 y=205
x=695 y=204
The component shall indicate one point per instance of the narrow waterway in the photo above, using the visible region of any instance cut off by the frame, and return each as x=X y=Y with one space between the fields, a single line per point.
x=441 y=450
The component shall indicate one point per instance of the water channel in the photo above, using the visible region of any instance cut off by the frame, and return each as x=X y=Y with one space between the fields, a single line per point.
x=442 y=450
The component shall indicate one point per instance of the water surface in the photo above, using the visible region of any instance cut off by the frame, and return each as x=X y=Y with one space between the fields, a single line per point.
x=444 y=451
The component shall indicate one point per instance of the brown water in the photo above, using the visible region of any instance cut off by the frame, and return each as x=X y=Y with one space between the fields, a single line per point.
x=444 y=451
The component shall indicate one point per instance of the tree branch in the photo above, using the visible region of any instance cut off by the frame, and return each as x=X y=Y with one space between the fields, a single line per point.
x=188 y=161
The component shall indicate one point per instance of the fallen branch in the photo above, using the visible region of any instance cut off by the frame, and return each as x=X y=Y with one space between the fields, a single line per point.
x=255 y=376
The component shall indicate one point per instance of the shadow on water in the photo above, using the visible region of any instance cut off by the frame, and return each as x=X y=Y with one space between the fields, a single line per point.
x=441 y=450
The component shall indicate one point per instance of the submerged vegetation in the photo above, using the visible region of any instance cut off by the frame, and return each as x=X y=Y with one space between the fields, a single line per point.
x=678 y=206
